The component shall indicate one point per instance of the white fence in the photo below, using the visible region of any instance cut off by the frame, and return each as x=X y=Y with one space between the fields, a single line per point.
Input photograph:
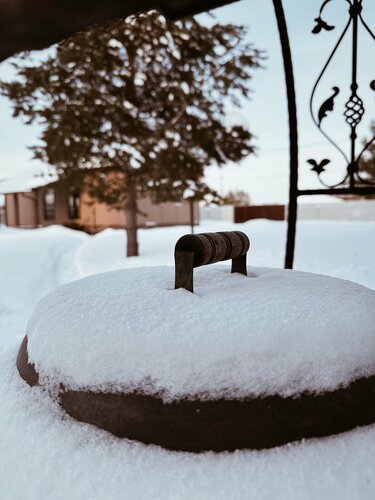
x=215 y=212
x=342 y=210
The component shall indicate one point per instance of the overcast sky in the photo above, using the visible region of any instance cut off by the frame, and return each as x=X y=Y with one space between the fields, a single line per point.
x=265 y=176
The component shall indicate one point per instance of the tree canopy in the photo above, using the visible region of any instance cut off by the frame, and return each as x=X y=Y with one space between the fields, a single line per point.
x=237 y=197
x=140 y=105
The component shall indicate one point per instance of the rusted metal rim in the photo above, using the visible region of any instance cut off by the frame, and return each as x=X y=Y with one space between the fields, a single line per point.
x=222 y=425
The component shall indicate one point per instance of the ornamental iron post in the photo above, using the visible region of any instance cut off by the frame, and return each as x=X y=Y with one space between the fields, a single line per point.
x=293 y=135
x=354 y=182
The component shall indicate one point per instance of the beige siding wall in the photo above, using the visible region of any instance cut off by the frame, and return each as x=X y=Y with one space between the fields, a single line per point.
x=21 y=209
x=98 y=215
x=165 y=214
x=27 y=204
x=94 y=216
x=61 y=205
x=10 y=210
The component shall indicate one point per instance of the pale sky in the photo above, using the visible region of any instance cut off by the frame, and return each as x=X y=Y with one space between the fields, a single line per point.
x=265 y=176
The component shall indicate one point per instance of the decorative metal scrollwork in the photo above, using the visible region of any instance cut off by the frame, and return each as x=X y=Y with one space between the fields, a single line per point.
x=354 y=106
x=320 y=23
x=354 y=110
x=328 y=105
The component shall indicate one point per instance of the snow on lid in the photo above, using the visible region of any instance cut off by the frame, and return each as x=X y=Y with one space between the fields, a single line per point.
x=272 y=332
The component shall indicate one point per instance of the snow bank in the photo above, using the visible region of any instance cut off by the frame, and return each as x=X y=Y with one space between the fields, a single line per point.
x=272 y=332
x=340 y=249
x=45 y=454
x=32 y=263
x=105 y=251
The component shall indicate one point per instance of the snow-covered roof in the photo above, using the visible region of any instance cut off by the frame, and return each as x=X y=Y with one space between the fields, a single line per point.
x=27 y=180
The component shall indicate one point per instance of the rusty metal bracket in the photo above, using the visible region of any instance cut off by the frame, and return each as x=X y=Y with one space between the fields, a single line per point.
x=207 y=248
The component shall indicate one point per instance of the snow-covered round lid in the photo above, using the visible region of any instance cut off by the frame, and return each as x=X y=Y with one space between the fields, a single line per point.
x=272 y=332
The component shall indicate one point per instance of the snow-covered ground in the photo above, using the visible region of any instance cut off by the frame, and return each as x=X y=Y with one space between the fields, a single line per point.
x=34 y=262
x=44 y=454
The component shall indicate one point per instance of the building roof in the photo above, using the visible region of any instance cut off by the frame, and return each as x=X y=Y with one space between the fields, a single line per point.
x=37 y=24
x=27 y=180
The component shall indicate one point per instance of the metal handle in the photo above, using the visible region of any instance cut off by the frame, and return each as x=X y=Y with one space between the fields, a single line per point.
x=206 y=248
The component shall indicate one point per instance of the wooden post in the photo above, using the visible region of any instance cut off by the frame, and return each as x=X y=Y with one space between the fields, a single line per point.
x=192 y=220
x=131 y=218
x=16 y=210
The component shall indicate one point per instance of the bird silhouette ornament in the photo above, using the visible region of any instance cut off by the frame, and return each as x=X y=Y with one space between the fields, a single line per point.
x=318 y=167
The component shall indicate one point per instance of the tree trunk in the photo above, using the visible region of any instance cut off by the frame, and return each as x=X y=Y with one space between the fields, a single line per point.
x=131 y=218
x=130 y=187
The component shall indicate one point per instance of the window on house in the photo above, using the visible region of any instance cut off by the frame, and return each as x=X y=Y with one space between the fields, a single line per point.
x=74 y=206
x=49 y=204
